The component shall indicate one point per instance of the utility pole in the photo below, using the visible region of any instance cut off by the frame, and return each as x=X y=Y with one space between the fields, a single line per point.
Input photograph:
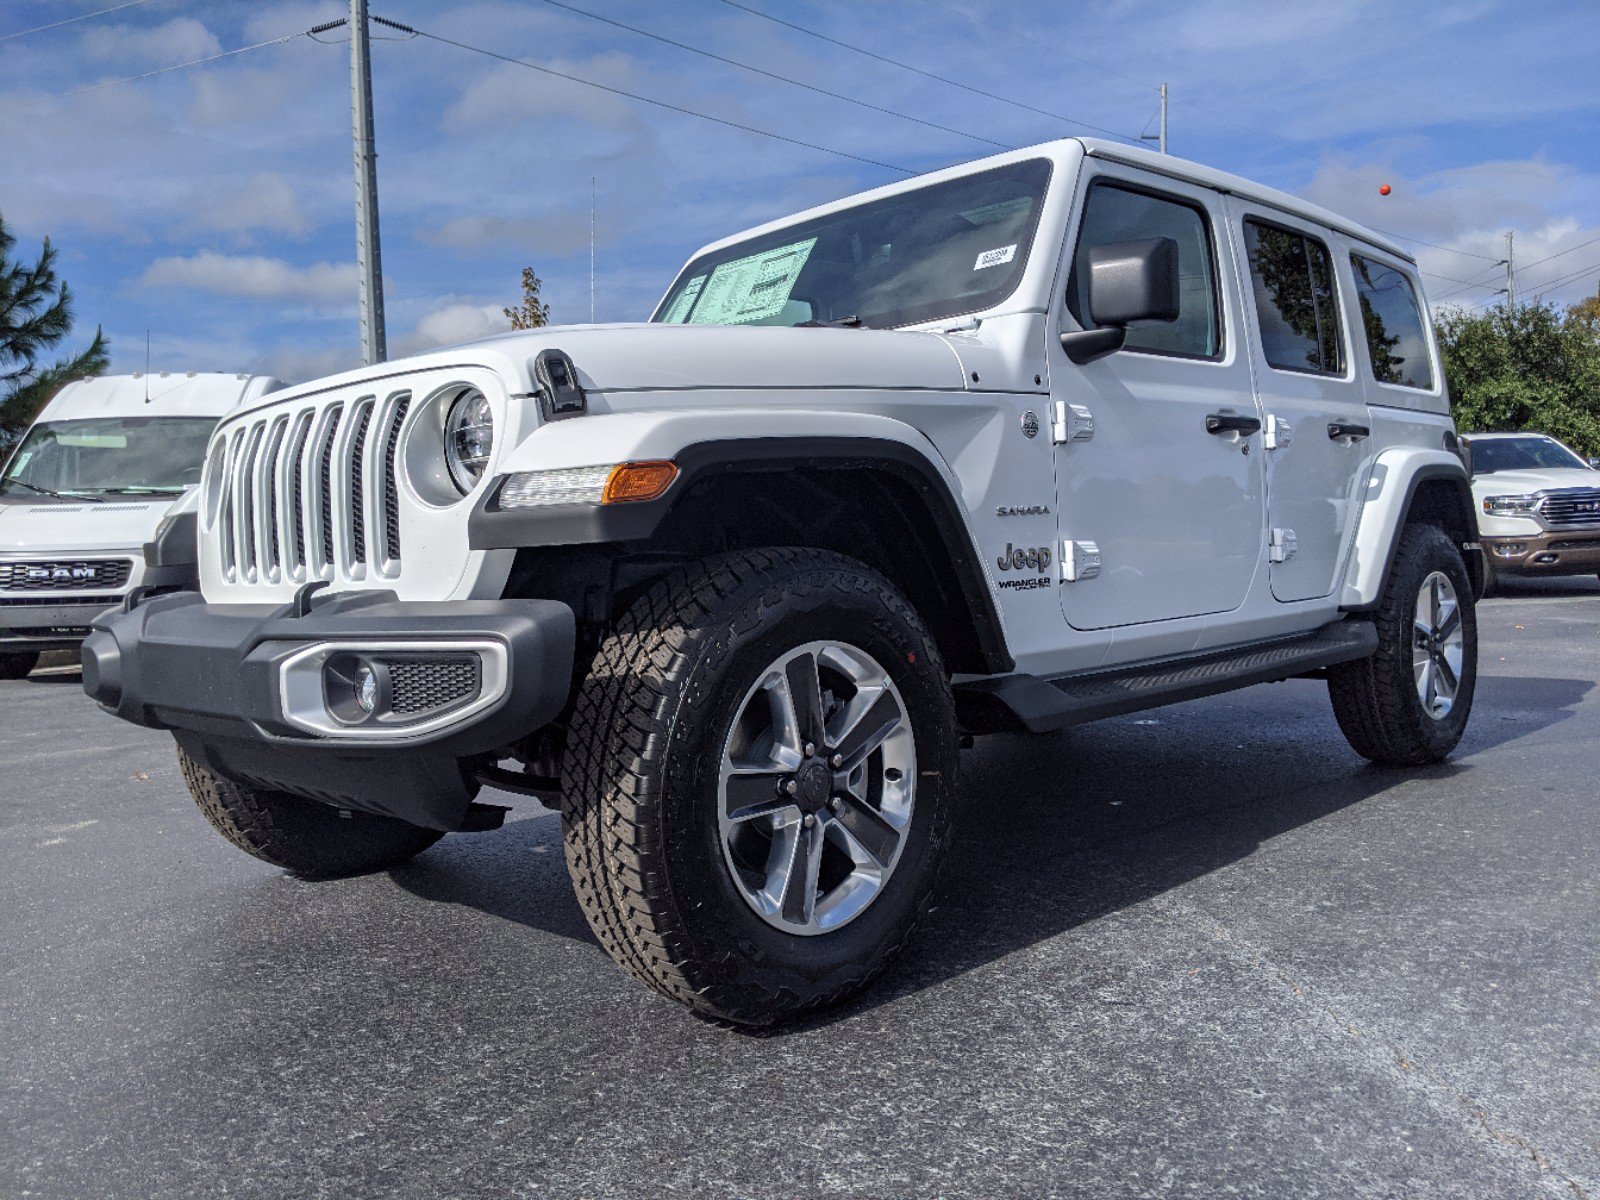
x=369 y=259
x=1511 y=276
x=1161 y=138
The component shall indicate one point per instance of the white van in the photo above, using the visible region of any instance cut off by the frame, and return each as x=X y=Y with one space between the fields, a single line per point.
x=86 y=488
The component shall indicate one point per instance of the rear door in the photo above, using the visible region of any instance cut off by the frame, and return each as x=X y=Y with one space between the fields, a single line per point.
x=1313 y=401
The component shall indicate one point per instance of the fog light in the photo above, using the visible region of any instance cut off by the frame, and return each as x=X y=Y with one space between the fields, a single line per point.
x=366 y=688
x=355 y=688
x=1509 y=549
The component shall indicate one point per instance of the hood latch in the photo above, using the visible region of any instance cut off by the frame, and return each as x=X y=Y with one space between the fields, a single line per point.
x=560 y=393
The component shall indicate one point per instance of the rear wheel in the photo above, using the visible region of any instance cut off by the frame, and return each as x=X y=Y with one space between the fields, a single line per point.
x=307 y=837
x=759 y=782
x=1408 y=704
x=18 y=665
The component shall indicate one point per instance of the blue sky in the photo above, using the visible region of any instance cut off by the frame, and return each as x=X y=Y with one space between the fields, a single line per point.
x=214 y=205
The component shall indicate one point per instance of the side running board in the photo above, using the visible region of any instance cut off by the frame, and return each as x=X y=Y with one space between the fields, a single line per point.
x=1028 y=702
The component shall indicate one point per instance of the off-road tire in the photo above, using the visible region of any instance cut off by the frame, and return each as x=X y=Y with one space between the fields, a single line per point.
x=641 y=781
x=18 y=664
x=305 y=837
x=1375 y=699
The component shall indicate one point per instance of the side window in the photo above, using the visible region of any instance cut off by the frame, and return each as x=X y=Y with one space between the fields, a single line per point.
x=1397 y=343
x=1116 y=214
x=1296 y=307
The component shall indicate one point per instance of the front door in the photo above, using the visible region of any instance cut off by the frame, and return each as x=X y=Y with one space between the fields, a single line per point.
x=1169 y=487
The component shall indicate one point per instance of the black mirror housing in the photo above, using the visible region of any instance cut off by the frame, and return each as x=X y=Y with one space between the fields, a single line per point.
x=1133 y=281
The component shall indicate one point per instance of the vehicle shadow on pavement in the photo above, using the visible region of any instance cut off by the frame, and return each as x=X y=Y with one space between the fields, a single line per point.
x=1054 y=832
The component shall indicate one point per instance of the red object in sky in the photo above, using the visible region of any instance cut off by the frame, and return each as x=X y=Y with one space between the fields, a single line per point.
x=1383 y=190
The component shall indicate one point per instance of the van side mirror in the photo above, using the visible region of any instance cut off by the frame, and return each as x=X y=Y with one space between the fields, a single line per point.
x=1128 y=282
x=1595 y=463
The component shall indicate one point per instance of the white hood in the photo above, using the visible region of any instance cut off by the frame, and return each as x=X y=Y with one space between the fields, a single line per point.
x=1521 y=483
x=50 y=527
x=658 y=357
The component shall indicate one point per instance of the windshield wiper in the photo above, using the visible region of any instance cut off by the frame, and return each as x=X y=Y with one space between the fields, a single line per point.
x=140 y=491
x=837 y=323
x=44 y=491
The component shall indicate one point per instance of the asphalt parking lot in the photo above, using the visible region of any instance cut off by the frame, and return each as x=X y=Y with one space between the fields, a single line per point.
x=1205 y=951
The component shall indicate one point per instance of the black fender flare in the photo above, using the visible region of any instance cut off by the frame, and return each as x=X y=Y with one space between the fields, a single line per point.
x=492 y=527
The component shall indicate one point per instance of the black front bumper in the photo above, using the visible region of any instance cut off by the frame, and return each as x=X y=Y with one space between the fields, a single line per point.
x=210 y=674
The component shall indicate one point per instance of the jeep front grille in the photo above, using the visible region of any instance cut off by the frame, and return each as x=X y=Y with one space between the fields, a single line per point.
x=1571 y=508
x=302 y=490
x=65 y=575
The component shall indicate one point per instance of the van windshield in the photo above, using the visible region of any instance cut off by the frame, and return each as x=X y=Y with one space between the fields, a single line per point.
x=934 y=252
x=1520 y=454
x=157 y=456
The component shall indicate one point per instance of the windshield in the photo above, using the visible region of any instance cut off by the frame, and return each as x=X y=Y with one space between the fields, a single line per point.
x=1520 y=454
x=109 y=455
x=938 y=251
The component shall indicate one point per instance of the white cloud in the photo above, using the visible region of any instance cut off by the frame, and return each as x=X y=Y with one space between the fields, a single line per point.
x=255 y=277
x=178 y=40
x=265 y=201
x=509 y=95
x=561 y=233
x=455 y=323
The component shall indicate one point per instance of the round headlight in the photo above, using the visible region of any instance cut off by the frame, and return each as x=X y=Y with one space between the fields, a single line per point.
x=468 y=438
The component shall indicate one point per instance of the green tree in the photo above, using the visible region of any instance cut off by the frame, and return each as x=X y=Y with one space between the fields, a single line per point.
x=1530 y=368
x=532 y=313
x=35 y=317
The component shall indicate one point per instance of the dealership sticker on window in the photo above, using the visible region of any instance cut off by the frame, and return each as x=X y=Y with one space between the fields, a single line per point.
x=994 y=258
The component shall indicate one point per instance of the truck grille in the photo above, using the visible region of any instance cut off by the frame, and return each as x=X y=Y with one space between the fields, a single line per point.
x=68 y=575
x=302 y=491
x=1571 y=508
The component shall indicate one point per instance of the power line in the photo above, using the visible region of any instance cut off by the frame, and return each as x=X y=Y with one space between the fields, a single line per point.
x=1565 y=279
x=1450 y=278
x=1020 y=36
x=6 y=37
x=520 y=62
x=774 y=75
x=1179 y=97
x=1559 y=253
x=1482 y=281
x=194 y=62
x=1435 y=246
x=1054 y=116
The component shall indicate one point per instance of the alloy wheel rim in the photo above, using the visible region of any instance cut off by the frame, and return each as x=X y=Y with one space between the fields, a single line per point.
x=1438 y=646
x=817 y=787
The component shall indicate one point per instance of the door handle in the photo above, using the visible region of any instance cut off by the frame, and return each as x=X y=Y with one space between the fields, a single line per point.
x=1231 y=423
x=1347 y=429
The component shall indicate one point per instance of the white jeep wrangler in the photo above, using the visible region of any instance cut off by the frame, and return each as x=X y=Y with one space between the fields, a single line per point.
x=1066 y=433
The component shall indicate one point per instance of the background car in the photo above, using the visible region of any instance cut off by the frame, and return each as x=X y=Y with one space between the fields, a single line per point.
x=1538 y=505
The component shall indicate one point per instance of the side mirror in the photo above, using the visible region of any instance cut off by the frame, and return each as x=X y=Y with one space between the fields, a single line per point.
x=1595 y=463
x=1128 y=282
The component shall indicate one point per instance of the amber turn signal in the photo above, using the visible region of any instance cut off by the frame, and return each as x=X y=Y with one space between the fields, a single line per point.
x=639 y=481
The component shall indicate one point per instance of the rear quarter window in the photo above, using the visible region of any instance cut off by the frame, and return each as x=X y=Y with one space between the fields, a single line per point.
x=1391 y=320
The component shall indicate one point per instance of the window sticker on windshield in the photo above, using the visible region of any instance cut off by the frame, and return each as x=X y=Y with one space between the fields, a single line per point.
x=748 y=289
x=22 y=463
x=685 y=301
x=1002 y=210
x=994 y=258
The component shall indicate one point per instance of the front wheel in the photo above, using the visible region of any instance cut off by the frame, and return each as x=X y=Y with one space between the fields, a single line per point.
x=1408 y=704
x=759 y=783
